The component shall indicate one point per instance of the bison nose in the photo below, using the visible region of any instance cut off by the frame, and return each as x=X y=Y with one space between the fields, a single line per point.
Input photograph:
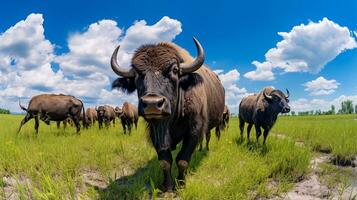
x=154 y=105
x=286 y=109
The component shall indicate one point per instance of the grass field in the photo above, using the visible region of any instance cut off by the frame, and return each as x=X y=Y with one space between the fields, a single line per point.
x=56 y=163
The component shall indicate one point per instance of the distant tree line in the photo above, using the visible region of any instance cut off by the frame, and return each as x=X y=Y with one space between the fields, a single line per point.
x=4 y=111
x=346 y=108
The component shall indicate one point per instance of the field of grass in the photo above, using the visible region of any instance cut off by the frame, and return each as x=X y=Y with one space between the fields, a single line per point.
x=336 y=134
x=56 y=163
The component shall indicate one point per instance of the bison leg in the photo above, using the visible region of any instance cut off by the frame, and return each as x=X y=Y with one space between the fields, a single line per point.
x=75 y=120
x=100 y=124
x=123 y=125
x=24 y=121
x=114 y=122
x=248 y=130
x=37 y=123
x=218 y=132
x=188 y=146
x=165 y=160
x=266 y=132
x=241 y=127
x=65 y=124
x=58 y=124
x=258 y=132
x=136 y=124
x=129 y=127
x=208 y=138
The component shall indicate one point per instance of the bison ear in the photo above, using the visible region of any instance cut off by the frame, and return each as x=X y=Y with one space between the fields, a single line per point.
x=126 y=85
x=190 y=80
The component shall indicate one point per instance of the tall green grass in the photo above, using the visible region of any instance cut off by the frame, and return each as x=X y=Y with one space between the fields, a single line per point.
x=54 y=161
x=331 y=133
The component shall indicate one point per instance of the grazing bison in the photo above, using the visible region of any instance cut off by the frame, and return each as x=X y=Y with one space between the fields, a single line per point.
x=262 y=110
x=92 y=116
x=219 y=128
x=53 y=107
x=105 y=114
x=128 y=115
x=179 y=97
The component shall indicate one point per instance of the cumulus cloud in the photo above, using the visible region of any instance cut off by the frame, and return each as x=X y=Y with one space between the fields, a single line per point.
x=26 y=59
x=233 y=93
x=306 y=48
x=321 y=86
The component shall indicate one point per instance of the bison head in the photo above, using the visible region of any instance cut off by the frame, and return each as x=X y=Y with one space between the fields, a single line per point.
x=157 y=72
x=278 y=100
x=118 y=111
x=100 y=111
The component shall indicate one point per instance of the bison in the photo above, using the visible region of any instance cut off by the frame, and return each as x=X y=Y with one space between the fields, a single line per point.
x=262 y=110
x=179 y=97
x=128 y=115
x=53 y=107
x=92 y=116
x=218 y=128
x=105 y=114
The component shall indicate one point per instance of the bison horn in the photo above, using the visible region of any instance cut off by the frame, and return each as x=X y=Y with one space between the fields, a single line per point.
x=288 y=93
x=198 y=62
x=267 y=96
x=118 y=69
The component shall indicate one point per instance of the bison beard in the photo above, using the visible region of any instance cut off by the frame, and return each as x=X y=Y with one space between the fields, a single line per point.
x=160 y=135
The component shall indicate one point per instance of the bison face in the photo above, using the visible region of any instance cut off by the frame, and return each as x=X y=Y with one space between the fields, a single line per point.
x=156 y=73
x=278 y=100
x=118 y=111
x=100 y=111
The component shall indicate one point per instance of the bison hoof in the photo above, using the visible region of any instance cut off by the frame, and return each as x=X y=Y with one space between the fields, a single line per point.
x=164 y=165
x=182 y=164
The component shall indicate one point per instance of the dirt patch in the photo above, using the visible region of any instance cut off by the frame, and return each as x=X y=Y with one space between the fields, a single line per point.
x=93 y=178
x=11 y=187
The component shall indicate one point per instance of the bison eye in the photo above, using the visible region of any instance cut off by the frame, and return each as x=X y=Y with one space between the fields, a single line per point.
x=175 y=69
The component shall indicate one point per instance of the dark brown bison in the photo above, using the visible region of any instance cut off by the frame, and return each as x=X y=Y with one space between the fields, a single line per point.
x=106 y=114
x=218 y=128
x=179 y=97
x=53 y=107
x=128 y=115
x=92 y=116
x=262 y=110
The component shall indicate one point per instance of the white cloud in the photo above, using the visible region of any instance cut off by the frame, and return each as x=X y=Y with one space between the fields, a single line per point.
x=23 y=46
x=26 y=57
x=321 y=86
x=306 y=48
x=262 y=73
x=233 y=93
x=304 y=104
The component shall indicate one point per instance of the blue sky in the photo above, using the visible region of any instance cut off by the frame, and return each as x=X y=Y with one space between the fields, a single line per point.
x=233 y=33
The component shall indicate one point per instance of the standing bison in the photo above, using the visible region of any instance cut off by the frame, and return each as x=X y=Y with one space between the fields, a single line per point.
x=179 y=97
x=128 y=115
x=92 y=116
x=262 y=110
x=106 y=114
x=53 y=107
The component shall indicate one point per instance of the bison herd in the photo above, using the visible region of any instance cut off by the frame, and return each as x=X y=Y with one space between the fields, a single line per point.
x=180 y=98
x=67 y=109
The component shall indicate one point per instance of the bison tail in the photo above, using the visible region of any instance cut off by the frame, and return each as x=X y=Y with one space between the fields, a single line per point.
x=84 y=121
x=23 y=108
